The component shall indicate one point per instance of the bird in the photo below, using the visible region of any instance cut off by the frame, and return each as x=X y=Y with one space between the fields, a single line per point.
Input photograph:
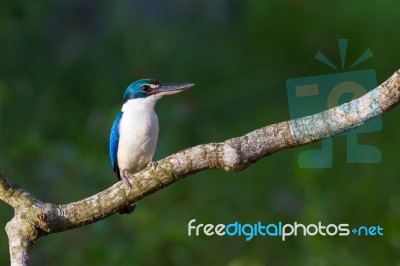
x=134 y=133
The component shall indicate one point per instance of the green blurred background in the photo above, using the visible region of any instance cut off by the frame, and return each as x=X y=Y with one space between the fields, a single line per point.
x=64 y=67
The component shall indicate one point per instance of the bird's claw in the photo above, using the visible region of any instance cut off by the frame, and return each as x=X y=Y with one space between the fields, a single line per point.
x=128 y=209
x=153 y=165
x=125 y=180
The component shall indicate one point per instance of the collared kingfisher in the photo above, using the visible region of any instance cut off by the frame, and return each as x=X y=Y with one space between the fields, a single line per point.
x=134 y=133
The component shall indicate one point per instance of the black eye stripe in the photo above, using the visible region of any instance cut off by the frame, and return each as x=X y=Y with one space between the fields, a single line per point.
x=146 y=88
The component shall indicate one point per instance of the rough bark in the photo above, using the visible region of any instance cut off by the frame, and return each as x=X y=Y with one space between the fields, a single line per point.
x=34 y=218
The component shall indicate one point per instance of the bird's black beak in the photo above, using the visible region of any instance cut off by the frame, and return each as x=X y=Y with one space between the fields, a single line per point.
x=171 y=88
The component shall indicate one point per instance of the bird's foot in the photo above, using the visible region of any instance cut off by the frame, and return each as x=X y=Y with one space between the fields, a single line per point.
x=128 y=209
x=153 y=165
x=125 y=180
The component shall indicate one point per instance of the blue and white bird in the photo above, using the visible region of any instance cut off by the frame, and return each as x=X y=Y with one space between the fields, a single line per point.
x=134 y=132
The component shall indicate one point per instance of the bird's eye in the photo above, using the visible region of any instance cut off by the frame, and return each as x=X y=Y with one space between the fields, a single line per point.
x=146 y=89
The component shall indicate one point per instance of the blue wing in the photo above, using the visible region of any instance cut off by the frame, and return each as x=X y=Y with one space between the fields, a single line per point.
x=114 y=141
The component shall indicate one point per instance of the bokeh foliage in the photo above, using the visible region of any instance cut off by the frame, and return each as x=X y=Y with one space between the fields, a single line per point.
x=63 y=69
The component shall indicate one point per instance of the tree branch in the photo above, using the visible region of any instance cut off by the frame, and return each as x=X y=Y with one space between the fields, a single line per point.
x=34 y=218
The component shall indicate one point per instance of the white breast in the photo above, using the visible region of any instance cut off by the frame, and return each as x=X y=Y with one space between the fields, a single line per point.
x=138 y=134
